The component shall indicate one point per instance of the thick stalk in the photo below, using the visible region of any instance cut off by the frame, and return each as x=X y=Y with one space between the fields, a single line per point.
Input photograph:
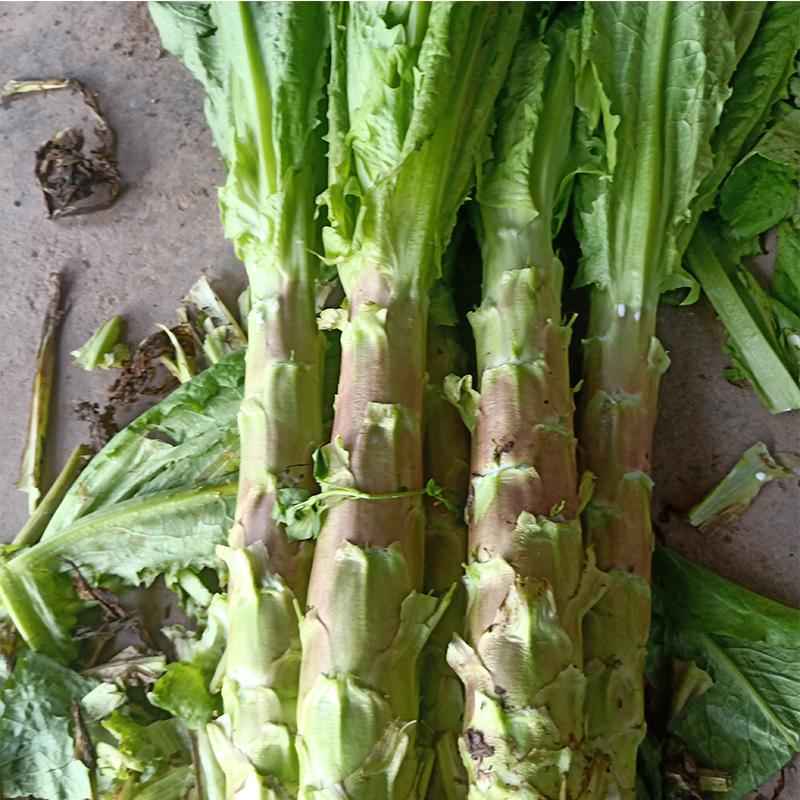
x=446 y=457
x=523 y=452
x=530 y=581
x=280 y=422
x=412 y=88
x=268 y=207
x=623 y=365
x=659 y=157
x=280 y=425
x=263 y=67
x=367 y=620
x=281 y=418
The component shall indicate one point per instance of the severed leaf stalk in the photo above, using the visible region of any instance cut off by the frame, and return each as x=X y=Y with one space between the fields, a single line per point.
x=731 y=498
x=35 y=526
x=103 y=348
x=40 y=403
x=223 y=334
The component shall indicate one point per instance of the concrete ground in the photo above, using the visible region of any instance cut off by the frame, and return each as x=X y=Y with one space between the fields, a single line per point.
x=139 y=257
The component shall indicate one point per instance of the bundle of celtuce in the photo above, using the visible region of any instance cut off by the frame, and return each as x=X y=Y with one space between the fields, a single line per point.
x=342 y=649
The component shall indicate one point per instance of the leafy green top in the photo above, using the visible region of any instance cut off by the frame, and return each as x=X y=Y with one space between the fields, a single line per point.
x=412 y=89
x=262 y=65
x=759 y=81
x=534 y=153
x=662 y=74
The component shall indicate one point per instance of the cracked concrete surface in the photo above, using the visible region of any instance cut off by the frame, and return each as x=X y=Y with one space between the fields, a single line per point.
x=139 y=257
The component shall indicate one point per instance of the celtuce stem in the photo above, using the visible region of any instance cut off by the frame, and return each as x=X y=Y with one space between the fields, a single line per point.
x=446 y=459
x=530 y=581
x=367 y=618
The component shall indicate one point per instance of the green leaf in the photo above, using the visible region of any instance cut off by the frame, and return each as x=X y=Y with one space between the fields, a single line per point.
x=758 y=194
x=188 y=31
x=183 y=691
x=36 y=744
x=413 y=88
x=302 y=519
x=191 y=435
x=781 y=143
x=677 y=59
x=147 y=748
x=535 y=150
x=748 y=724
x=262 y=68
x=124 y=545
x=785 y=285
x=758 y=83
x=189 y=689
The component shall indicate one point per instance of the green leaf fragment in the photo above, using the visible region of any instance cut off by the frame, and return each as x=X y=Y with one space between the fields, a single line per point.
x=147 y=749
x=101 y=701
x=299 y=512
x=216 y=314
x=181 y=366
x=688 y=683
x=36 y=742
x=183 y=691
x=747 y=726
x=731 y=498
x=785 y=285
x=460 y=393
x=103 y=348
